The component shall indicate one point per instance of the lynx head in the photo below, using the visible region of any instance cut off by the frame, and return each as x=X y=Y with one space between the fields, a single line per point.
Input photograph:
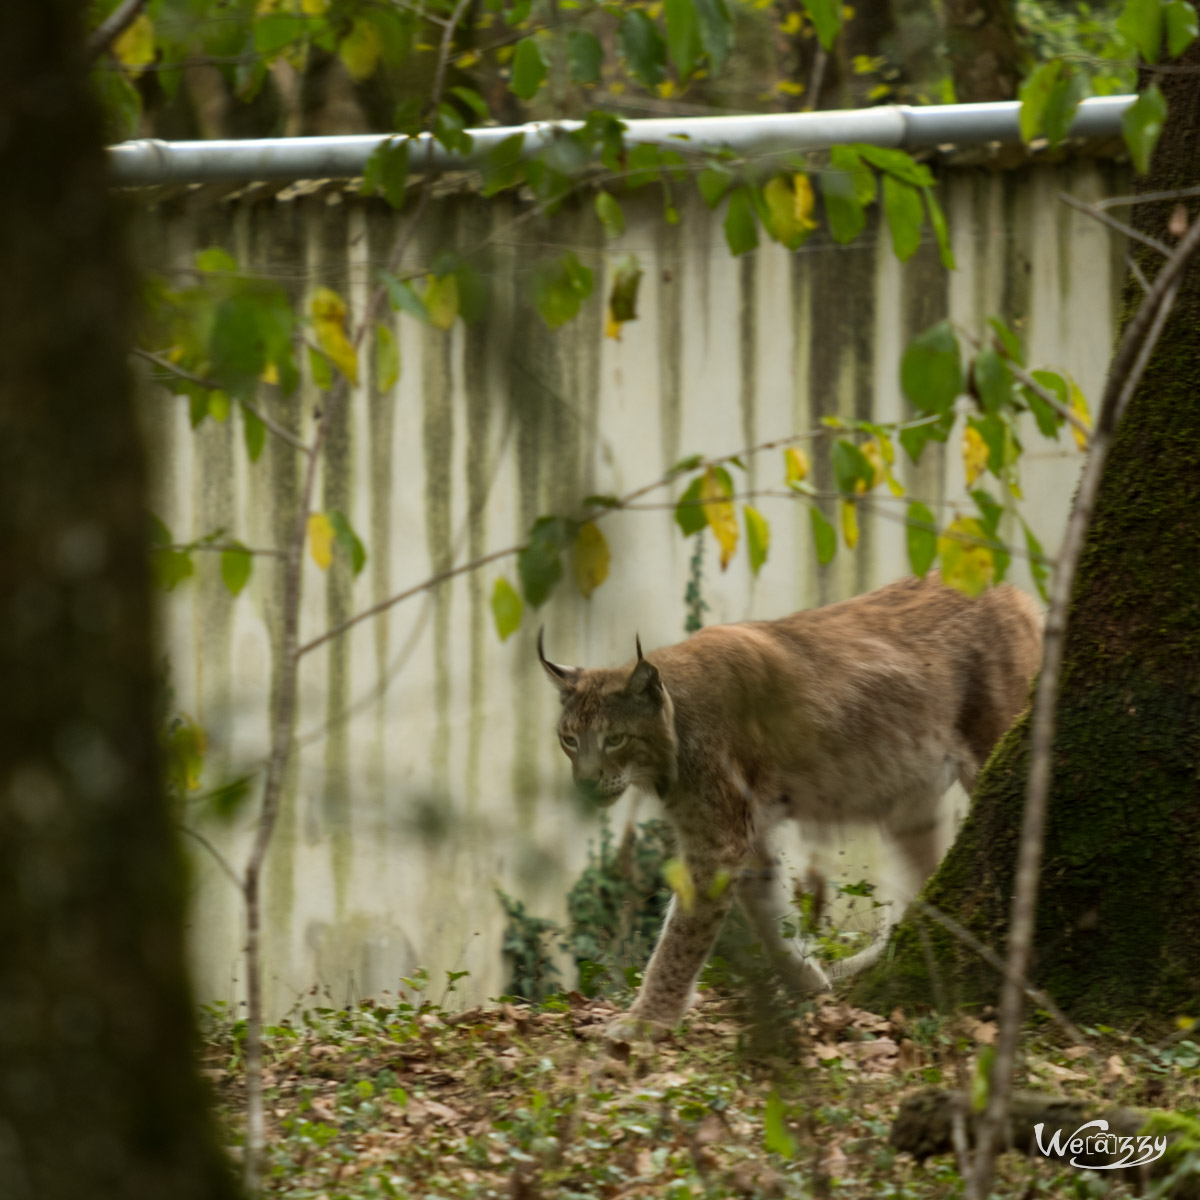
x=617 y=727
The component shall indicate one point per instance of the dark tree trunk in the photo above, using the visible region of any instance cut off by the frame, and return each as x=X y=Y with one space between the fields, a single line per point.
x=984 y=49
x=99 y=1096
x=1118 y=930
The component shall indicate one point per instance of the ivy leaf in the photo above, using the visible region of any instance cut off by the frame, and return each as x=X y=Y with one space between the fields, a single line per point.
x=931 y=371
x=643 y=47
x=528 y=68
x=611 y=215
x=348 y=541
x=777 y=1138
x=254 y=433
x=1181 y=26
x=387 y=359
x=826 y=16
x=740 y=230
x=715 y=489
x=902 y=203
x=329 y=321
x=1142 y=124
x=1141 y=22
x=689 y=512
x=441 y=301
x=539 y=564
x=584 y=56
x=966 y=565
x=823 y=536
x=560 y=288
x=993 y=380
x=758 y=537
x=507 y=608
x=236 y=562
x=922 y=540
x=590 y=558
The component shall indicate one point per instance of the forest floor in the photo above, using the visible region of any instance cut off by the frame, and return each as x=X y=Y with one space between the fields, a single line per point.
x=403 y=1098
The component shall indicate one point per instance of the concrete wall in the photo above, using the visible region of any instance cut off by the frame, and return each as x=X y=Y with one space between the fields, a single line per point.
x=428 y=773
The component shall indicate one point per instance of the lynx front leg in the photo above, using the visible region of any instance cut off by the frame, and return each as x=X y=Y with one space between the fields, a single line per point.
x=762 y=897
x=683 y=946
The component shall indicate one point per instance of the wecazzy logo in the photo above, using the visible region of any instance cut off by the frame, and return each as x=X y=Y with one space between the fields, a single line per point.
x=1121 y=1150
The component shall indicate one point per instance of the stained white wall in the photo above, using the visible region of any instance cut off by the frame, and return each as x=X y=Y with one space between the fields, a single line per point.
x=428 y=774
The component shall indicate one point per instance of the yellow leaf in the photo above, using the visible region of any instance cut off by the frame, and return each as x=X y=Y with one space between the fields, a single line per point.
x=320 y=539
x=135 y=47
x=270 y=374
x=873 y=453
x=719 y=513
x=1079 y=406
x=894 y=485
x=966 y=564
x=441 y=300
x=612 y=327
x=790 y=23
x=361 y=48
x=218 y=405
x=796 y=464
x=467 y=60
x=975 y=454
x=804 y=201
x=790 y=87
x=666 y=89
x=850 y=523
x=679 y=880
x=591 y=558
x=329 y=320
x=314 y=8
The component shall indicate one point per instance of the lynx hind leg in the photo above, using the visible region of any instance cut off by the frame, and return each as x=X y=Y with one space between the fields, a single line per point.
x=762 y=897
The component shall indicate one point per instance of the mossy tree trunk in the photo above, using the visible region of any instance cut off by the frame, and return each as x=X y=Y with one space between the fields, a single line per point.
x=99 y=1094
x=1118 y=923
x=984 y=49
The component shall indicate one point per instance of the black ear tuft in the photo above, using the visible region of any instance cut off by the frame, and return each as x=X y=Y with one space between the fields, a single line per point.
x=638 y=640
x=644 y=680
x=562 y=677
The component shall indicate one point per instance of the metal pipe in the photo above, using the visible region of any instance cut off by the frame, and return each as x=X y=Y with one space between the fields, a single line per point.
x=150 y=161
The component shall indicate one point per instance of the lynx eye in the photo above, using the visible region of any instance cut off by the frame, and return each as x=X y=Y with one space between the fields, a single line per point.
x=569 y=742
x=615 y=741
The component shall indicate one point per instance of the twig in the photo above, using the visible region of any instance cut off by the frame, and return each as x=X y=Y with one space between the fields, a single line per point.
x=1098 y=214
x=1147 y=198
x=989 y=956
x=278 y=430
x=109 y=30
x=220 y=859
x=1130 y=360
x=191 y=547
x=1137 y=272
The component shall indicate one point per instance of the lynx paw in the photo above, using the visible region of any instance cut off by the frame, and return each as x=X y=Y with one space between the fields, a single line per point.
x=629 y=1027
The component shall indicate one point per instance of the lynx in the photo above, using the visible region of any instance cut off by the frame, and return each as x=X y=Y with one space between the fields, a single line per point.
x=862 y=711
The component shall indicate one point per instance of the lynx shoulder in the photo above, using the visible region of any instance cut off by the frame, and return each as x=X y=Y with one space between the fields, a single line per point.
x=861 y=711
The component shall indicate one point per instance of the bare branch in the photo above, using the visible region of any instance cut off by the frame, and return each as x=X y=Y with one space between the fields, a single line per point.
x=1147 y=198
x=219 y=858
x=1136 y=346
x=109 y=30
x=1137 y=272
x=278 y=430
x=1100 y=215
x=190 y=547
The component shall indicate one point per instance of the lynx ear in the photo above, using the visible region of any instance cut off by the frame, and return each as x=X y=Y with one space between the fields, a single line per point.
x=563 y=678
x=644 y=680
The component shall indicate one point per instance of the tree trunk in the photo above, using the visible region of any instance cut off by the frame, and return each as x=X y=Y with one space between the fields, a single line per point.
x=984 y=50
x=1118 y=928
x=99 y=1096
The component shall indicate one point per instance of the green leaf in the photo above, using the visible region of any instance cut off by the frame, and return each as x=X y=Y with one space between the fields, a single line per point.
x=387 y=359
x=560 y=288
x=916 y=437
x=981 y=1080
x=716 y=30
x=1181 y=26
x=1047 y=418
x=689 y=512
x=1009 y=340
x=386 y=171
x=322 y=372
x=850 y=466
x=348 y=540
x=507 y=608
x=275 y=32
x=254 y=432
x=237 y=348
x=503 y=166
x=473 y=100
x=782 y=216
x=741 y=231
x=898 y=163
x=528 y=68
x=643 y=47
x=215 y=259
x=993 y=380
x=931 y=370
x=713 y=183
x=1062 y=104
x=937 y=219
x=994 y=431
x=1142 y=123
x=843 y=208
x=585 y=56
x=847 y=159
x=826 y=16
x=622 y=300
x=690 y=463
x=1038 y=570
x=758 y=537
x=160 y=535
x=539 y=564
x=824 y=536
x=172 y=567
x=902 y=203
x=922 y=538
x=611 y=215
x=1141 y=23
x=990 y=510
x=683 y=36
x=966 y=564
x=236 y=562
x=1035 y=94
x=776 y=1136
x=403 y=298
x=226 y=801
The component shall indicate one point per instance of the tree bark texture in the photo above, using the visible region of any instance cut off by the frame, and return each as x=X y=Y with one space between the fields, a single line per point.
x=99 y=1095
x=1118 y=926
x=984 y=49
